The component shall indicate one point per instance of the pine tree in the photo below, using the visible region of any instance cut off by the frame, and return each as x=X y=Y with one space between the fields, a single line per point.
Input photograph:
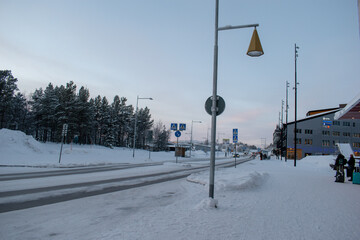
x=7 y=92
x=85 y=115
x=65 y=112
x=115 y=117
x=161 y=136
x=19 y=112
x=36 y=110
x=144 y=123
x=106 y=124
x=97 y=118
x=121 y=117
x=49 y=104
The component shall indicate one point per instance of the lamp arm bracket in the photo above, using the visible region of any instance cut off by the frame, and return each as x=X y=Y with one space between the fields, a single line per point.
x=229 y=27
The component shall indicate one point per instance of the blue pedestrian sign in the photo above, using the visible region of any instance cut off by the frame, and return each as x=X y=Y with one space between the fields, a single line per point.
x=173 y=127
x=182 y=126
x=235 y=131
x=235 y=135
x=177 y=134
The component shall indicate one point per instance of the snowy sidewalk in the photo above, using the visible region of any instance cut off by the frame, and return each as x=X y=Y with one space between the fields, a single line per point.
x=266 y=199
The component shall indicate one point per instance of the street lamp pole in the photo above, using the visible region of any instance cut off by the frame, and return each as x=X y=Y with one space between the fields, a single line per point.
x=287 y=110
x=296 y=83
x=136 y=114
x=255 y=49
x=191 y=138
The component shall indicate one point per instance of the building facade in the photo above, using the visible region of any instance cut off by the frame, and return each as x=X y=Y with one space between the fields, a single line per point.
x=318 y=133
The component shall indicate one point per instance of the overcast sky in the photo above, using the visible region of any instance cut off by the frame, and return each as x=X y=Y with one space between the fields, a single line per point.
x=164 y=49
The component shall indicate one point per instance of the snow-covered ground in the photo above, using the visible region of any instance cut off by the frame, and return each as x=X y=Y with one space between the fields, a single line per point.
x=269 y=199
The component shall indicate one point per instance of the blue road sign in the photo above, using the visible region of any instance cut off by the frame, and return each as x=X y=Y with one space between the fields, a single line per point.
x=177 y=134
x=235 y=138
x=182 y=126
x=235 y=131
x=174 y=127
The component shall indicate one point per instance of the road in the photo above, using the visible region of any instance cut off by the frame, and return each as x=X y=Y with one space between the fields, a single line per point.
x=32 y=189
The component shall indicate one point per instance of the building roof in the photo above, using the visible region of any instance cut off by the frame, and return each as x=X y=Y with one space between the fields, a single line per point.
x=315 y=112
x=314 y=116
x=351 y=111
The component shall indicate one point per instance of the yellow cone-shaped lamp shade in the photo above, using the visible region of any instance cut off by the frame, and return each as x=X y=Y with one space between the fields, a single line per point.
x=255 y=49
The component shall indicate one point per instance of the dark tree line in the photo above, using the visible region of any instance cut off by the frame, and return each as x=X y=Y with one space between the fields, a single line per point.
x=90 y=120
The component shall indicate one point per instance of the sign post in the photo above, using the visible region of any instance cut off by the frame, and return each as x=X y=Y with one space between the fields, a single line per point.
x=235 y=140
x=63 y=135
x=174 y=127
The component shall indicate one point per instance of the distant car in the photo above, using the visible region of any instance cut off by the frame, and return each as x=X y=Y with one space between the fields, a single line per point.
x=236 y=155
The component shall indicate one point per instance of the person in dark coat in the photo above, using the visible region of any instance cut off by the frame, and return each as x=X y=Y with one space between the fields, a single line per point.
x=340 y=160
x=351 y=166
x=340 y=163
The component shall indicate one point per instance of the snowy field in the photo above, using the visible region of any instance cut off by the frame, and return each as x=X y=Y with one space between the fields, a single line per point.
x=269 y=199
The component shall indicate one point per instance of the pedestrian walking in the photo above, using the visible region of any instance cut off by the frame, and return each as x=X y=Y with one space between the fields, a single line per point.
x=351 y=166
x=339 y=165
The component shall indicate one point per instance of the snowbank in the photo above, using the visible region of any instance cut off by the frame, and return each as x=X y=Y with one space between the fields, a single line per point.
x=19 y=149
x=18 y=142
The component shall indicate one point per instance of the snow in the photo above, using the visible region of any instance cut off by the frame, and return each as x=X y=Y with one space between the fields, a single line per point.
x=345 y=149
x=269 y=199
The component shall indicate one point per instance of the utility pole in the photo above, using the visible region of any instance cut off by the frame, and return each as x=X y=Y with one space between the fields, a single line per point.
x=281 y=126
x=286 y=111
x=296 y=83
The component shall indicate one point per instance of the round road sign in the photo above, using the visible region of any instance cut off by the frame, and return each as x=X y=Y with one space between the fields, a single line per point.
x=177 y=134
x=219 y=108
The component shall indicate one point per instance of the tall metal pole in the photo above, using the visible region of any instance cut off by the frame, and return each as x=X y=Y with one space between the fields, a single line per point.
x=296 y=83
x=255 y=53
x=281 y=128
x=213 y=108
x=191 y=137
x=286 y=110
x=136 y=112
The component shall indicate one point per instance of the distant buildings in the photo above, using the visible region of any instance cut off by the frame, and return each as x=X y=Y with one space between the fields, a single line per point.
x=318 y=133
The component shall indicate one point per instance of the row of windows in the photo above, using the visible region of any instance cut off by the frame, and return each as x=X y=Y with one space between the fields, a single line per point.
x=345 y=124
x=328 y=133
x=337 y=134
x=325 y=143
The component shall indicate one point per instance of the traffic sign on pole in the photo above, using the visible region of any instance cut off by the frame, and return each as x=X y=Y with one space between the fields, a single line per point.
x=235 y=131
x=174 y=126
x=182 y=126
x=177 y=134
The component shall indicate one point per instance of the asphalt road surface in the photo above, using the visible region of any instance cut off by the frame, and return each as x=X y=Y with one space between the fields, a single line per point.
x=17 y=199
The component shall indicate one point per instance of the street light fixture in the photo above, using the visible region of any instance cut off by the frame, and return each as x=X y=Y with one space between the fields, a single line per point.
x=136 y=113
x=254 y=50
x=192 y=122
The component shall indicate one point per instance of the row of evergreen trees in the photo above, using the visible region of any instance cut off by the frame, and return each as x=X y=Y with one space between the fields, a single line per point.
x=90 y=120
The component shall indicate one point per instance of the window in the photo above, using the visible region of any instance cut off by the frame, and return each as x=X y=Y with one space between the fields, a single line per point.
x=308 y=141
x=357 y=135
x=326 y=143
x=356 y=144
x=354 y=124
x=326 y=133
x=308 y=131
x=298 y=130
x=336 y=134
x=336 y=123
x=346 y=134
x=298 y=141
x=346 y=124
